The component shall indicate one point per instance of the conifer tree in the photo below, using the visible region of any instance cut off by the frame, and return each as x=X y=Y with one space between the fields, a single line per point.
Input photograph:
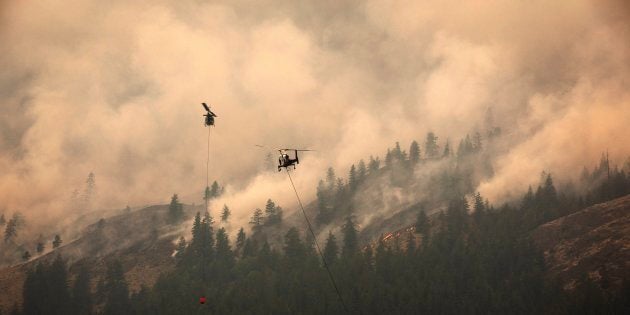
x=414 y=153
x=331 y=180
x=10 y=231
x=397 y=153
x=240 y=240
x=56 y=241
x=447 y=149
x=293 y=247
x=431 y=146
x=374 y=164
x=215 y=190
x=57 y=280
x=331 y=250
x=323 y=214
x=270 y=211
x=225 y=214
x=422 y=223
x=257 y=220
x=479 y=206
x=90 y=190
x=223 y=250
x=388 y=158
x=116 y=290
x=81 y=293
x=40 y=247
x=476 y=142
x=340 y=194
x=350 y=238
x=361 y=171
x=352 y=178
x=26 y=256
x=3 y=220
x=207 y=195
x=175 y=210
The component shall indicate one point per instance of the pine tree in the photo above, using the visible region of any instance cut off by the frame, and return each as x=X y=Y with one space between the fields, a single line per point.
x=352 y=178
x=340 y=194
x=479 y=206
x=207 y=195
x=40 y=247
x=207 y=236
x=90 y=190
x=476 y=144
x=323 y=214
x=447 y=149
x=10 y=231
x=223 y=250
x=397 y=152
x=331 y=180
x=225 y=214
x=414 y=153
x=116 y=290
x=388 y=158
x=293 y=247
x=361 y=171
x=196 y=228
x=350 y=238
x=26 y=256
x=270 y=212
x=3 y=220
x=422 y=222
x=57 y=283
x=216 y=190
x=175 y=210
x=35 y=287
x=374 y=164
x=240 y=240
x=81 y=293
x=257 y=220
x=331 y=250
x=57 y=241
x=431 y=146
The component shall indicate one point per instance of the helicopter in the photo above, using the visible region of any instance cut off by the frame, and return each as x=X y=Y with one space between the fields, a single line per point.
x=209 y=121
x=284 y=160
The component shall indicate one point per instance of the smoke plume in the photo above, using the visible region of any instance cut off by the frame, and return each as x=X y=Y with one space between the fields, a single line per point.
x=115 y=88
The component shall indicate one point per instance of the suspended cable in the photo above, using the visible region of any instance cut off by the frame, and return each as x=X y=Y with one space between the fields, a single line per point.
x=310 y=228
x=206 y=197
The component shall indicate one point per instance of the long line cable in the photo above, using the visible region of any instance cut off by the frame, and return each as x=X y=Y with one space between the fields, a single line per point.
x=208 y=167
x=310 y=228
x=206 y=199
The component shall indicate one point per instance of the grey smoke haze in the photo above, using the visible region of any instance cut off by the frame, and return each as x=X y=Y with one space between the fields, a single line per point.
x=114 y=87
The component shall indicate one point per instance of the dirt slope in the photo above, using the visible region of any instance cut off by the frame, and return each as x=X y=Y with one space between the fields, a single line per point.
x=142 y=240
x=594 y=241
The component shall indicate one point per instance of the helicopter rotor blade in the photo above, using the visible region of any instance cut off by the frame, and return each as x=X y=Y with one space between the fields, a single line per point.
x=285 y=149
x=206 y=107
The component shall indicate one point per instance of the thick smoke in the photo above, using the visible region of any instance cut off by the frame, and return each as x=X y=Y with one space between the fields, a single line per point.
x=114 y=88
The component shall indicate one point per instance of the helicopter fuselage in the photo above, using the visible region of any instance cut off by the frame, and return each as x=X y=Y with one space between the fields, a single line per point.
x=284 y=160
x=209 y=121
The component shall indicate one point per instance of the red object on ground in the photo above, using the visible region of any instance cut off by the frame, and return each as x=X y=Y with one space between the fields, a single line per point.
x=202 y=300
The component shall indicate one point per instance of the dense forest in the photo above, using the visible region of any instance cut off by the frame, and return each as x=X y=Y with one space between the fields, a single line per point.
x=471 y=257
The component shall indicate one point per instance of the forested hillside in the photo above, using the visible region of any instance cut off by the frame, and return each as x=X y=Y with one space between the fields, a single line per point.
x=457 y=253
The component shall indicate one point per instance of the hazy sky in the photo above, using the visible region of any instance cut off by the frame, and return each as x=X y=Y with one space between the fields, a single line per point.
x=114 y=87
